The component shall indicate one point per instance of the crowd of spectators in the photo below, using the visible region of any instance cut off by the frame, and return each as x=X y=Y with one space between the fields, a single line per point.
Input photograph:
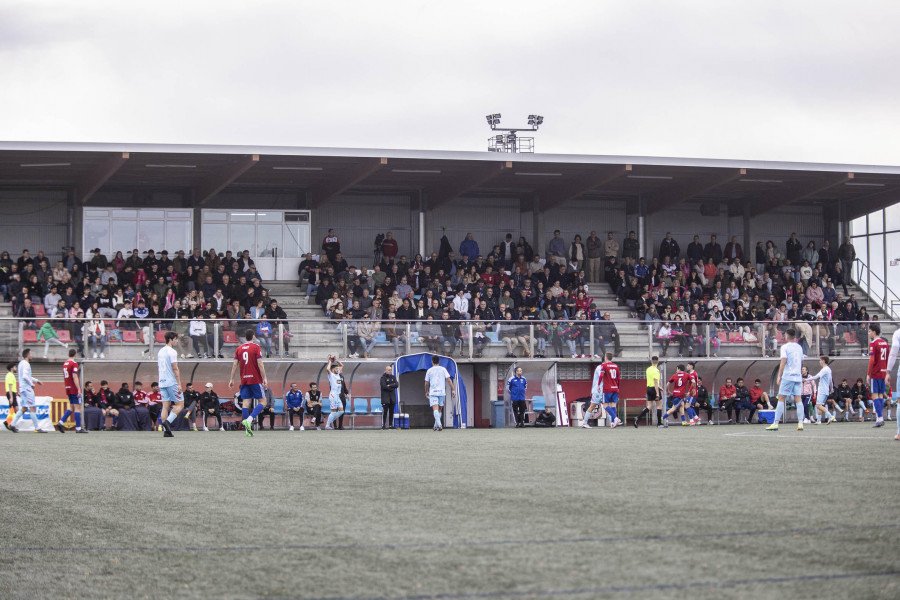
x=143 y=292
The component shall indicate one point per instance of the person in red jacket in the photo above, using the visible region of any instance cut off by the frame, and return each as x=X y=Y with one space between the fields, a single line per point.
x=728 y=398
x=389 y=247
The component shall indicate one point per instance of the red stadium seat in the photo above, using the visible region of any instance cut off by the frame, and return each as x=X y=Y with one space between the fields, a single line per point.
x=29 y=336
x=39 y=310
x=131 y=337
x=64 y=336
x=160 y=337
x=229 y=337
x=735 y=336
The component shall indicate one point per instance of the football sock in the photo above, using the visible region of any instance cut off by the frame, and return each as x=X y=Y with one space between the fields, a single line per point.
x=245 y=412
x=65 y=416
x=77 y=416
x=693 y=413
x=256 y=410
x=888 y=413
x=612 y=414
x=879 y=407
x=860 y=411
x=17 y=417
x=171 y=418
x=34 y=419
x=779 y=412
x=659 y=416
x=682 y=417
x=116 y=420
x=437 y=418
x=643 y=413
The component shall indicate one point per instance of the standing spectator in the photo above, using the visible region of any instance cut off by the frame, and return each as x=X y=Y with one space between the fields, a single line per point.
x=631 y=247
x=508 y=252
x=576 y=253
x=389 y=247
x=669 y=247
x=556 y=250
x=594 y=257
x=761 y=258
x=209 y=405
x=469 y=248
x=517 y=386
x=733 y=250
x=713 y=250
x=331 y=246
x=695 y=251
x=389 y=385
x=792 y=249
x=293 y=403
x=826 y=256
x=847 y=255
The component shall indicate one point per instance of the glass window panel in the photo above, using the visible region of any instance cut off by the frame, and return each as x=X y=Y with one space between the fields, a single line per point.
x=151 y=234
x=153 y=214
x=296 y=240
x=271 y=216
x=178 y=237
x=876 y=222
x=892 y=219
x=96 y=235
x=862 y=254
x=243 y=216
x=858 y=226
x=122 y=213
x=124 y=236
x=95 y=213
x=214 y=215
x=178 y=214
x=269 y=238
x=893 y=273
x=243 y=237
x=876 y=264
x=213 y=235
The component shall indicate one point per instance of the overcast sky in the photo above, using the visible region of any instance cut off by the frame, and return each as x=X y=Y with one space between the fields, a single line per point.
x=784 y=80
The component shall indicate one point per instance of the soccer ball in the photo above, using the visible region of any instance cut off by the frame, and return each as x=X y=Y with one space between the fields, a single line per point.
x=331 y=357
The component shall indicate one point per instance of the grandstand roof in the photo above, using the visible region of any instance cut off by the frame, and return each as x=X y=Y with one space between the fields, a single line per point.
x=322 y=173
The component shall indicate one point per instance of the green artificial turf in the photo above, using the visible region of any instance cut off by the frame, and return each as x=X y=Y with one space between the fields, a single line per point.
x=703 y=512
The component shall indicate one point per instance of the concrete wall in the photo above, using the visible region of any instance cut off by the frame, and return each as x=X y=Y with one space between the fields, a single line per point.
x=34 y=220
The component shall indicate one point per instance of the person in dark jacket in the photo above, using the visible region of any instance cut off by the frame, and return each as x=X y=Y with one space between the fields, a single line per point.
x=314 y=404
x=209 y=404
x=517 y=386
x=389 y=385
x=125 y=418
x=276 y=316
x=192 y=404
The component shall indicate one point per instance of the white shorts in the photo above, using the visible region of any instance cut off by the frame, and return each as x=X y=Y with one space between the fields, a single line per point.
x=820 y=399
x=434 y=400
x=335 y=404
x=26 y=398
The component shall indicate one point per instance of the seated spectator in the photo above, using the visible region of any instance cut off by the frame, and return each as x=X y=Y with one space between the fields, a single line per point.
x=293 y=404
x=264 y=335
x=742 y=402
x=314 y=405
x=760 y=398
x=728 y=399
x=209 y=407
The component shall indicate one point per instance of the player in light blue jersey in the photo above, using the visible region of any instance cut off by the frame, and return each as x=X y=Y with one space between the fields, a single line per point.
x=437 y=380
x=26 y=393
x=335 y=385
x=826 y=384
x=892 y=360
x=169 y=383
x=790 y=379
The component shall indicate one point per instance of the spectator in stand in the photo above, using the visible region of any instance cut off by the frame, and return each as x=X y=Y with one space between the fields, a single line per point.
x=293 y=404
x=389 y=247
x=631 y=247
x=395 y=332
x=847 y=255
x=713 y=251
x=605 y=332
x=331 y=246
x=209 y=406
x=595 y=253
x=468 y=248
x=556 y=250
x=760 y=398
x=792 y=249
x=742 y=402
x=576 y=254
x=508 y=252
x=314 y=405
x=669 y=247
x=733 y=251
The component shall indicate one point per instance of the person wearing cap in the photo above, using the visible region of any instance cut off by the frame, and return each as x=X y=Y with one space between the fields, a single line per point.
x=209 y=405
x=179 y=263
x=98 y=261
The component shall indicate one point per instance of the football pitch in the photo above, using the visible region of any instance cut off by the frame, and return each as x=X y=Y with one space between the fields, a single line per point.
x=702 y=512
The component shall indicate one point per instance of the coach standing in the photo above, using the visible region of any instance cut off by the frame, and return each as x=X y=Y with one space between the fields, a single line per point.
x=517 y=386
x=389 y=385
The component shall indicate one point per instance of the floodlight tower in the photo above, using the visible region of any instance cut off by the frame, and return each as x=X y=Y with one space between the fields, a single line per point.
x=510 y=141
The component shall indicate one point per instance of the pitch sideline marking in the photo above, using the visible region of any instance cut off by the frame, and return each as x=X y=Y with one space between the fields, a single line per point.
x=803 y=436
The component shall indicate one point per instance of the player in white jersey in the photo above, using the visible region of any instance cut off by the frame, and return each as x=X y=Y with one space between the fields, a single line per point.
x=892 y=360
x=790 y=379
x=437 y=380
x=335 y=385
x=26 y=393
x=169 y=383
x=826 y=384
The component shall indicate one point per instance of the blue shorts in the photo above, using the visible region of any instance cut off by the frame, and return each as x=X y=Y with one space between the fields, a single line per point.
x=676 y=400
x=253 y=391
x=877 y=386
x=26 y=398
x=690 y=400
x=436 y=400
x=170 y=394
x=788 y=389
x=611 y=398
x=74 y=399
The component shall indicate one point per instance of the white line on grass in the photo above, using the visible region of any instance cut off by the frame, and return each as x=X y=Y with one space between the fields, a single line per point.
x=804 y=436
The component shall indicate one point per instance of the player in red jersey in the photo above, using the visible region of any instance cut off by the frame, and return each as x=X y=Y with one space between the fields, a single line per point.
x=248 y=360
x=678 y=386
x=878 y=372
x=73 y=389
x=154 y=406
x=605 y=391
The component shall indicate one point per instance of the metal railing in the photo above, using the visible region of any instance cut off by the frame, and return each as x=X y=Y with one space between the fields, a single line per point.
x=314 y=339
x=889 y=301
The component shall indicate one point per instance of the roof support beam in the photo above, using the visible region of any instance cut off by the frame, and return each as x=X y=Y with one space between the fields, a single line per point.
x=443 y=194
x=579 y=186
x=330 y=189
x=217 y=182
x=93 y=181
x=780 y=198
x=682 y=192
x=863 y=205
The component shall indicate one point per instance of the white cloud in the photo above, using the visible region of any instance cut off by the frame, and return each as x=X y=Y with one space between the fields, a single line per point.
x=756 y=79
